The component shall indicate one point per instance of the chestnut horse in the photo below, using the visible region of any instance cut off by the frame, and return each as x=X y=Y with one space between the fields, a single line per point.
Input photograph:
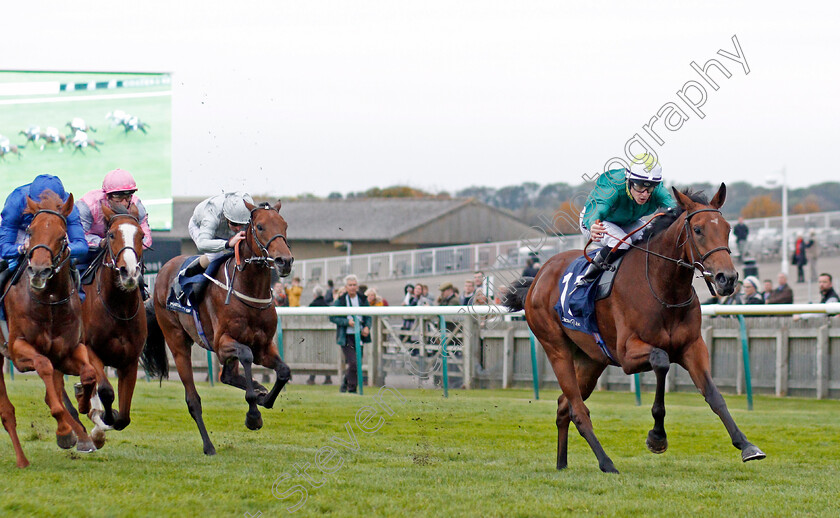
x=240 y=321
x=648 y=321
x=45 y=323
x=114 y=317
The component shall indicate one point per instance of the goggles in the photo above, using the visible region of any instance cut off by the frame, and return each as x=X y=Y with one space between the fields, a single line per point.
x=121 y=195
x=643 y=186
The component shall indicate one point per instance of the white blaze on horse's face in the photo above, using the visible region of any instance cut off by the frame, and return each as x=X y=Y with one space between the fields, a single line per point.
x=132 y=265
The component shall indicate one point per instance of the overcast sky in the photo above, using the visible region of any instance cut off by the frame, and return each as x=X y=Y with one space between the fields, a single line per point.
x=318 y=96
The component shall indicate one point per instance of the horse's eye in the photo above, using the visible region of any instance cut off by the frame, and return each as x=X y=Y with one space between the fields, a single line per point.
x=111 y=235
x=260 y=228
x=698 y=230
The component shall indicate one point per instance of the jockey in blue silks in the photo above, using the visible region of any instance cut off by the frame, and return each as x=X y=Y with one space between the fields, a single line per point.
x=615 y=206
x=15 y=222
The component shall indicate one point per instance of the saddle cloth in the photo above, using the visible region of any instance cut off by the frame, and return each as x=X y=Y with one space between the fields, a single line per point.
x=576 y=305
x=192 y=285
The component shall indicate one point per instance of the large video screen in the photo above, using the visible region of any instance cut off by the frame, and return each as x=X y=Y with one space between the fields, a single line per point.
x=80 y=125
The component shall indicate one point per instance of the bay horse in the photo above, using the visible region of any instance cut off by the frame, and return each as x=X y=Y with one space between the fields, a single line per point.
x=240 y=331
x=45 y=323
x=651 y=319
x=114 y=318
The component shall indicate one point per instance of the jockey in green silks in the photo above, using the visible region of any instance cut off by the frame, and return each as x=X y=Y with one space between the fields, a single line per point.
x=615 y=206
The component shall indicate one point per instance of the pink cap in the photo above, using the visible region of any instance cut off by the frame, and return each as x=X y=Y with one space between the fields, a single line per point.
x=118 y=180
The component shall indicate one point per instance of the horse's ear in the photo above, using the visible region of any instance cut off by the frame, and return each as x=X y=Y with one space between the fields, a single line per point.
x=720 y=197
x=249 y=206
x=682 y=200
x=134 y=211
x=31 y=206
x=277 y=206
x=107 y=211
x=67 y=208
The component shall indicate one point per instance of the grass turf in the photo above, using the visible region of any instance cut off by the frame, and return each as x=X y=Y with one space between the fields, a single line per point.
x=478 y=453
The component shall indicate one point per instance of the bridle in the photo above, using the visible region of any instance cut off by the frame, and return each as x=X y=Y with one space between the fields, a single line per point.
x=56 y=260
x=111 y=263
x=693 y=264
x=264 y=259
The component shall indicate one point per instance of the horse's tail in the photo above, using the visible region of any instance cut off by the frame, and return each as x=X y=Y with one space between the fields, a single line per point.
x=515 y=297
x=154 y=359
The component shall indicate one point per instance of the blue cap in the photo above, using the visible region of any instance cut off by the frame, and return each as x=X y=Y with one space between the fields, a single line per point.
x=43 y=182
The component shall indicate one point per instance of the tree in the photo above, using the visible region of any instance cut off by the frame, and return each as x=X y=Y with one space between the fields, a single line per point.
x=808 y=205
x=762 y=207
x=335 y=196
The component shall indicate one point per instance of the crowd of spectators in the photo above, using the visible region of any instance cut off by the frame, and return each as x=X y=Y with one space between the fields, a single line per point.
x=753 y=291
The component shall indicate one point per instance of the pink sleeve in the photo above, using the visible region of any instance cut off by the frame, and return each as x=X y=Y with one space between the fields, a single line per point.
x=147 y=232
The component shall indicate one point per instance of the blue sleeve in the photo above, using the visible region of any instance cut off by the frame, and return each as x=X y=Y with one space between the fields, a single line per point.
x=76 y=235
x=12 y=215
x=338 y=320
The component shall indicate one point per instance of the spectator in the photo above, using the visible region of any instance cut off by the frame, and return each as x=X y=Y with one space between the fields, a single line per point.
x=800 y=258
x=294 y=292
x=500 y=295
x=826 y=289
x=408 y=300
x=448 y=295
x=318 y=301
x=751 y=295
x=482 y=289
x=373 y=298
x=768 y=289
x=426 y=293
x=782 y=294
x=281 y=300
x=532 y=266
x=420 y=299
x=741 y=232
x=469 y=291
x=329 y=293
x=345 y=331
x=409 y=293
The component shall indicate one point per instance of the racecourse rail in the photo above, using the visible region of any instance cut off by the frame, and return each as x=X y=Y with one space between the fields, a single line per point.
x=751 y=348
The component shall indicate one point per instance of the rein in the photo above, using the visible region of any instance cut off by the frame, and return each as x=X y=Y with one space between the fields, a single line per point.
x=693 y=250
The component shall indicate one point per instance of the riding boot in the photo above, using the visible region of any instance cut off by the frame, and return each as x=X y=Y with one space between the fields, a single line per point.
x=193 y=269
x=595 y=267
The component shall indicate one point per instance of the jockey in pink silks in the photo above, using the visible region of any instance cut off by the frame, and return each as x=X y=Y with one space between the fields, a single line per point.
x=118 y=190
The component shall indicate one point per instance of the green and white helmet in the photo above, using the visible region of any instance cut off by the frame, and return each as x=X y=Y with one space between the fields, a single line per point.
x=645 y=170
x=234 y=208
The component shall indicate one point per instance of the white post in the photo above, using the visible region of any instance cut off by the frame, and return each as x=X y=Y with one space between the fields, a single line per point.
x=784 y=222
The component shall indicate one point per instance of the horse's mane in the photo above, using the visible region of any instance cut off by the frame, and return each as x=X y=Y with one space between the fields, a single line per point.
x=663 y=222
x=49 y=201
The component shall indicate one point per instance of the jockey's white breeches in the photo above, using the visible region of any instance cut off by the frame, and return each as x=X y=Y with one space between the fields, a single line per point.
x=614 y=233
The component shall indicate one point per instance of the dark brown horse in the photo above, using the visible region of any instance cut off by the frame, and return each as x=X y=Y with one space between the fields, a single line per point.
x=239 y=332
x=45 y=323
x=650 y=320
x=114 y=317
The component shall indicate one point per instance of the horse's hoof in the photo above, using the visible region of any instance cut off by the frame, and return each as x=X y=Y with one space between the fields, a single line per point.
x=656 y=445
x=211 y=450
x=752 y=452
x=253 y=422
x=98 y=438
x=85 y=446
x=65 y=442
x=609 y=468
x=120 y=423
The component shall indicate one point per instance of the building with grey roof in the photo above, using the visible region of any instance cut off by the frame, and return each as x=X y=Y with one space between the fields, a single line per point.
x=325 y=228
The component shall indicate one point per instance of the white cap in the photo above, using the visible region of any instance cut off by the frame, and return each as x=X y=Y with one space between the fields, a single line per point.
x=645 y=168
